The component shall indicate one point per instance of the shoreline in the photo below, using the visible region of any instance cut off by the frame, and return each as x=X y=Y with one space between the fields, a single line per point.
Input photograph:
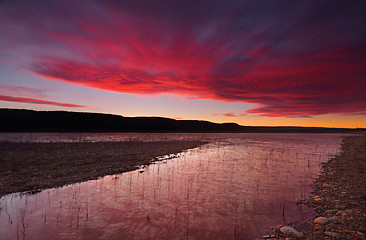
x=32 y=167
x=339 y=199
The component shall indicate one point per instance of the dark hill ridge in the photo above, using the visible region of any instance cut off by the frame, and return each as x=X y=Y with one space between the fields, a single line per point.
x=21 y=120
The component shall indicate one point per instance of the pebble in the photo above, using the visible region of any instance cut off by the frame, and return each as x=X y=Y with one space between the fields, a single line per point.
x=317 y=199
x=332 y=234
x=331 y=211
x=326 y=185
x=321 y=220
x=340 y=207
x=334 y=218
x=290 y=231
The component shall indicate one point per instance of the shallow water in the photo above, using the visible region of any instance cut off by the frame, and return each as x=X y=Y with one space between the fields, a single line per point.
x=235 y=187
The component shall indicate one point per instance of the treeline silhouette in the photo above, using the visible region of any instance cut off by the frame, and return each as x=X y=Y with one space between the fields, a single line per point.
x=22 y=120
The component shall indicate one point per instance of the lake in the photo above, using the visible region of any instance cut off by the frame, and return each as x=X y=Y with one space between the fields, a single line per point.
x=235 y=187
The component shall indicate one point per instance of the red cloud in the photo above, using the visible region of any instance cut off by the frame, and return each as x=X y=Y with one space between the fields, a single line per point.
x=38 y=101
x=230 y=114
x=308 y=63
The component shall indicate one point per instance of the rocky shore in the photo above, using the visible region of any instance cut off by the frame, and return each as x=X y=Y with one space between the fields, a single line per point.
x=339 y=199
x=37 y=166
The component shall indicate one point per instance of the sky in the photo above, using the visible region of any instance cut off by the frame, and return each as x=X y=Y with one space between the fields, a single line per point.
x=256 y=63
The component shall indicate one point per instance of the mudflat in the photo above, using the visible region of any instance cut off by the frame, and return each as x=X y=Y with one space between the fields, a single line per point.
x=36 y=166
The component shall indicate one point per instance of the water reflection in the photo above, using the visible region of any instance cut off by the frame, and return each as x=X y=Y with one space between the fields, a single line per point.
x=235 y=187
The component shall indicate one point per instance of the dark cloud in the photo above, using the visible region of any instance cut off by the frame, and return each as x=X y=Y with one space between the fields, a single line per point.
x=292 y=58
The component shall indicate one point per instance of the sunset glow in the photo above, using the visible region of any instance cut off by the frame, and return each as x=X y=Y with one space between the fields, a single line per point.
x=281 y=63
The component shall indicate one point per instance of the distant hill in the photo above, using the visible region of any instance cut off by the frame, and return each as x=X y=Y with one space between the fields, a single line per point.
x=21 y=120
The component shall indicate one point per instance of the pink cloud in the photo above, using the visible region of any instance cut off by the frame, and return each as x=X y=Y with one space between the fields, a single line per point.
x=39 y=101
x=230 y=114
x=24 y=91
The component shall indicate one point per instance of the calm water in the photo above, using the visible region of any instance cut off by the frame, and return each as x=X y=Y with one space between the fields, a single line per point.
x=235 y=187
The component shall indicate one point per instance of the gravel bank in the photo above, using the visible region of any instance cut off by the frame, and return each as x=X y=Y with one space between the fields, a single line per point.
x=36 y=166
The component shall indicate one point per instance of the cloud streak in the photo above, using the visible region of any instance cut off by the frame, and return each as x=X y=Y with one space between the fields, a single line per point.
x=290 y=59
x=39 y=101
x=24 y=91
x=230 y=114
